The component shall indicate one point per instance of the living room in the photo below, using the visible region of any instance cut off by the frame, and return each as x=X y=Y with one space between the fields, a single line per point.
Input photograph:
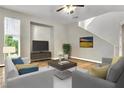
x=51 y=30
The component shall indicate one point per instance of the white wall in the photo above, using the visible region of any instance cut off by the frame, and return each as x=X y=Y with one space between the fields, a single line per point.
x=42 y=33
x=24 y=23
x=1 y=39
x=101 y=48
x=59 y=35
x=122 y=41
x=107 y=27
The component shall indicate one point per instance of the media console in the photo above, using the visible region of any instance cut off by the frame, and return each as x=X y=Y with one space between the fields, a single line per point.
x=40 y=55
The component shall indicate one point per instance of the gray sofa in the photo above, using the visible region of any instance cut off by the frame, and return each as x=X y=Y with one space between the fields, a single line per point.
x=38 y=79
x=114 y=79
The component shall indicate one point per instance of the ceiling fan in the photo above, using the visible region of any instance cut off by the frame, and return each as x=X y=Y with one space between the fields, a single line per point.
x=69 y=9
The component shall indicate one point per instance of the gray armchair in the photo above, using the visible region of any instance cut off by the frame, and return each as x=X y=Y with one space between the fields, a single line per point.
x=83 y=80
x=114 y=80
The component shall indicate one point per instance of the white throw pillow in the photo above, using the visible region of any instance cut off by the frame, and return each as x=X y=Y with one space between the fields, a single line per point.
x=26 y=60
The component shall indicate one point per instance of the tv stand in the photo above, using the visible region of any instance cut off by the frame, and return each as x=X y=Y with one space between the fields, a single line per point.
x=40 y=55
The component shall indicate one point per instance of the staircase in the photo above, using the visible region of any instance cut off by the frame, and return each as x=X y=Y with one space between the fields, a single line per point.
x=106 y=27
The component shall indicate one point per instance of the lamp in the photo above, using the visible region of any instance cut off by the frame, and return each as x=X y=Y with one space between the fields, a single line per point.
x=9 y=50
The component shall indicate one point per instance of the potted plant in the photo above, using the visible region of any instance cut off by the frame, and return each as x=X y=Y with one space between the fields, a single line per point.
x=66 y=50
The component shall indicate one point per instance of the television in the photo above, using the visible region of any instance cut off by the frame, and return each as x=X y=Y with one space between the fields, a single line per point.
x=40 y=45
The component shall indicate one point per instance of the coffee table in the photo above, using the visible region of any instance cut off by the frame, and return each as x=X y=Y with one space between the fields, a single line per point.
x=62 y=71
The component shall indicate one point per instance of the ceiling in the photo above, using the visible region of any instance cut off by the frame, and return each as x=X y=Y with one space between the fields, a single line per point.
x=49 y=11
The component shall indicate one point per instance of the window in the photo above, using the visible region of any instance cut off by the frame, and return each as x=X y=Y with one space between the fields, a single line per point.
x=12 y=33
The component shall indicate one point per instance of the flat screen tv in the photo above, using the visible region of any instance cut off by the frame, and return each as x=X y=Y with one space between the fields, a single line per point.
x=40 y=46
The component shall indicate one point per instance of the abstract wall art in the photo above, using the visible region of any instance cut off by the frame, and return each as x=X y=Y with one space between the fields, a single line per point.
x=86 y=42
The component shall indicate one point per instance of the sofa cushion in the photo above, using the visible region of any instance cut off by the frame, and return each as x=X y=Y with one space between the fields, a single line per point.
x=116 y=70
x=17 y=60
x=26 y=68
x=21 y=66
x=100 y=72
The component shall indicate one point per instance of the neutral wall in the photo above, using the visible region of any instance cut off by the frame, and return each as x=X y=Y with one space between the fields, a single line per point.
x=42 y=33
x=122 y=41
x=59 y=35
x=100 y=49
x=24 y=23
x=1 y=39
x=107 y=26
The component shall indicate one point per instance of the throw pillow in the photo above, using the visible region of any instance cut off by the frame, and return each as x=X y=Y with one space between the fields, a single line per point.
x=115 y=70
x=26 y=68
x=20 y=66
x=115 y=59
x=100 y=72
x=17 y=61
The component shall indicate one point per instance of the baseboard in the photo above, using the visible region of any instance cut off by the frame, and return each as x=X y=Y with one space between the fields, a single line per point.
x=55 y=58
x=95 y=61
x=86 y=59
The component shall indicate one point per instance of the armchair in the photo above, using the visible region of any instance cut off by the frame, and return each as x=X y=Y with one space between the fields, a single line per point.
x=84 y=80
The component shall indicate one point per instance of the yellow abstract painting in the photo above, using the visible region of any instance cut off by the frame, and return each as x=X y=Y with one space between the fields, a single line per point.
x=86 y=42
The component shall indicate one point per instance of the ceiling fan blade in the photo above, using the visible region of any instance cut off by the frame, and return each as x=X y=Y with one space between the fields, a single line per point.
x=78 y=5
x=59 y=9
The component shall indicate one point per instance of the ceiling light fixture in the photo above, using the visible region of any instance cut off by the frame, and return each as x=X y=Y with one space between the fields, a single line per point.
x=69 y=9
